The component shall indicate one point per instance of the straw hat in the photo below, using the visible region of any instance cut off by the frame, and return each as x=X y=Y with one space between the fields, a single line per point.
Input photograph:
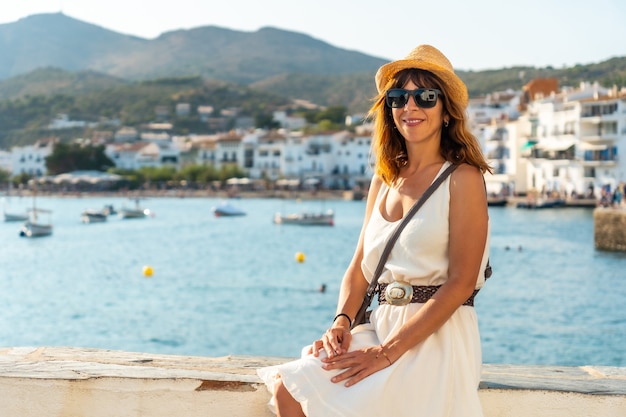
x=428 y=58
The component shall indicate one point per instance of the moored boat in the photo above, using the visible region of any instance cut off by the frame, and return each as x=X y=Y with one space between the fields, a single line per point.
x=133 y=213
x=541 y=204
x=497 y=201
x=13 y=217
x=33 y=228
x=226 y=209
x=306 y=219
x=93 y=216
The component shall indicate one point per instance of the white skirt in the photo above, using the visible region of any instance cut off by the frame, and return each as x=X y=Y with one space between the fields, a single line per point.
x=437 y=378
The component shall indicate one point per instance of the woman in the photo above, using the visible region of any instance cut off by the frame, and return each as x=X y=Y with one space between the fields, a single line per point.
x=423 y=358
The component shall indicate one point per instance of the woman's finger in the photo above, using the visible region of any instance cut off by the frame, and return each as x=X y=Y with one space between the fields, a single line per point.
x=316 y=347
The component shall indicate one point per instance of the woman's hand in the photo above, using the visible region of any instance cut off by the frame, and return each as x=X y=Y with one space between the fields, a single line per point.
x=358 y=364
x=334 y=342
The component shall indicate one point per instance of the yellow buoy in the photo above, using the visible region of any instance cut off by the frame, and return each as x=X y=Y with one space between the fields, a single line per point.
x=147 y=271
x=300 y=257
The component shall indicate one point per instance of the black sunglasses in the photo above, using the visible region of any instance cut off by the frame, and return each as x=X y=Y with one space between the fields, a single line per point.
x=425 y=98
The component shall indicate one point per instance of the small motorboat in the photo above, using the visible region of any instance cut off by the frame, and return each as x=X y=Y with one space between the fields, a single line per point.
x=226 y=209
x=14 y=217
x=497 y=201
x=94 y=216
x=541 y=204
x=307 y=219
x=137 y=212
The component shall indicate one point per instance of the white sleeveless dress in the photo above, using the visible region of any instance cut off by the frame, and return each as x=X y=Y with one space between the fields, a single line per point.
x=438 y=377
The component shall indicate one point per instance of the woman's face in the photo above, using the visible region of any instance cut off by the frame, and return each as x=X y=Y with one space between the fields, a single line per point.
x=417 y=124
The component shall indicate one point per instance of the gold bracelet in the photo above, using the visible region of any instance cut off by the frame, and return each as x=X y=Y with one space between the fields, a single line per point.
x=382 y=350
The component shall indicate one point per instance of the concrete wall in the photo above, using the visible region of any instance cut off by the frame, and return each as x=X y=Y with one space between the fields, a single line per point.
x=610 y=229
x=75 y=382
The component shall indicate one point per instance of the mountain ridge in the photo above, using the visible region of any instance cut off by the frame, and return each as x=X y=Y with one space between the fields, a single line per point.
x=292 y=64
x=57 y=40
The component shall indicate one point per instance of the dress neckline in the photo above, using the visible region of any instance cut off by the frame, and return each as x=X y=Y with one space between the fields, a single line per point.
x=385 y=194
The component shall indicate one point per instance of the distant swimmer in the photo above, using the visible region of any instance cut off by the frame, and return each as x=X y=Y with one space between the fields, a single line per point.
x=322 y=288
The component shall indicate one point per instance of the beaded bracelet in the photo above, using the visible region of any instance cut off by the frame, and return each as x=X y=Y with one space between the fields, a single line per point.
x=343 y=315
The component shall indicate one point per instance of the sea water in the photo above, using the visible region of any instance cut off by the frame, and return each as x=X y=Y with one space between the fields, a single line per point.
x=243 y=285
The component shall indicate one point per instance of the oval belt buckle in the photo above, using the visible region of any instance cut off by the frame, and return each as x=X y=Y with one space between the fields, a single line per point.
x=399 y=293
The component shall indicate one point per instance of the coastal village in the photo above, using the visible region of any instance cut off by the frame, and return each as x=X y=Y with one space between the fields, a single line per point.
x=545 y=141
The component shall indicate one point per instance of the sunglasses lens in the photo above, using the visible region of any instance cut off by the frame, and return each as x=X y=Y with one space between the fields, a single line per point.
x=397 y=97
x=425 y=98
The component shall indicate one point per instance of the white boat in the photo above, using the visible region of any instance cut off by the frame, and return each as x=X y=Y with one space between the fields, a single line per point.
x=13 y=217
x=326 y=218
x=94 y=216
x=33 y=227
x=226 y=209
x=133 y=213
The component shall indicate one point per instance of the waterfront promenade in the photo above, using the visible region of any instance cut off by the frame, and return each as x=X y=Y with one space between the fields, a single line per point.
x=72 y=382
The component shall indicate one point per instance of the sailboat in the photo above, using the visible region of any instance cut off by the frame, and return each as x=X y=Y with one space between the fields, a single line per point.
x=33 y=227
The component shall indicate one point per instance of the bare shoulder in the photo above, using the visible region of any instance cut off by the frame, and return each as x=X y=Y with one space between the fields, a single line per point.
x=375 y=185
x=466 y=179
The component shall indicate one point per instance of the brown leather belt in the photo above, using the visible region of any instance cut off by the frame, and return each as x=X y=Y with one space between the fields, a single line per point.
x=421 y=294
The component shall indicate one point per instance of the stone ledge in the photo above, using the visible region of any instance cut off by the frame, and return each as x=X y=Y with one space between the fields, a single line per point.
x=592 y=380
x=84 y=363
x=68 y=382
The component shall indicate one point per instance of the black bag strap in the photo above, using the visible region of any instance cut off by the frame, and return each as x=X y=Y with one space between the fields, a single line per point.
x=371 y=289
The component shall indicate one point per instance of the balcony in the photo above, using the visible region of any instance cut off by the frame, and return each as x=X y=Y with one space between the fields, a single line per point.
x=554 y=150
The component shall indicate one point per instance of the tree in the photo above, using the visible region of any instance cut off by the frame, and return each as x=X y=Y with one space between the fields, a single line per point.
x=265 y=121
x=71 y=157
x=4 y=176
x=336 y=114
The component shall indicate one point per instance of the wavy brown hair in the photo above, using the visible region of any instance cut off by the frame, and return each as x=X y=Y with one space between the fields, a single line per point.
x=458 y=145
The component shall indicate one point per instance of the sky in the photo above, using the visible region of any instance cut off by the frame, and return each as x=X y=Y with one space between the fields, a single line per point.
x=473 y=34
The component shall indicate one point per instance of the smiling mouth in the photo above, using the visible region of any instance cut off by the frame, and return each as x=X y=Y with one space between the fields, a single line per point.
x=412 y=122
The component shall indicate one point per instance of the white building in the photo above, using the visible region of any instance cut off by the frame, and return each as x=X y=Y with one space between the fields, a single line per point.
x=62 y=121
x=6 y=161
x=336 y=159
x=289 y=122
x=133 y=156
x=571 y=142
x=602 y=133
x=353 y=159
x=265 y=154
x=31 y=159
